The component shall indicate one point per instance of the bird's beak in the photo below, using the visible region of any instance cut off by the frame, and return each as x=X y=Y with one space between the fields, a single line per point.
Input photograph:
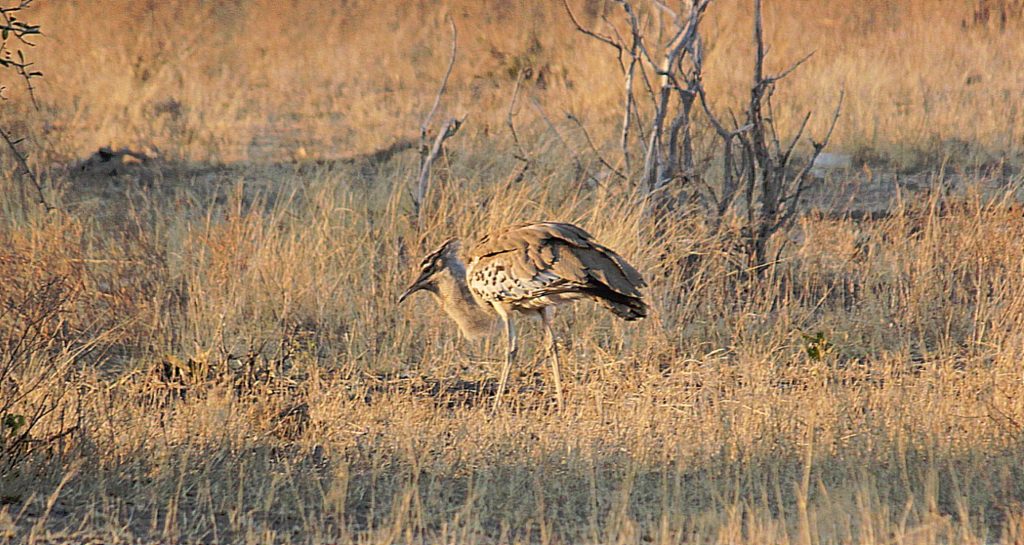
x=416 y=286
x=412 y=289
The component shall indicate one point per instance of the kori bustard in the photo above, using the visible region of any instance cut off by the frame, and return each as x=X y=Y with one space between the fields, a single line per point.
x=528 y=268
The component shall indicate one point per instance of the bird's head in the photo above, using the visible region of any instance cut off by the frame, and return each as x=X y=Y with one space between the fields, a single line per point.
x=439 y=263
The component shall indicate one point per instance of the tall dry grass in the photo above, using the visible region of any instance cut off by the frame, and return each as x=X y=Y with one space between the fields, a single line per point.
x=232 y=80
x=221 y=358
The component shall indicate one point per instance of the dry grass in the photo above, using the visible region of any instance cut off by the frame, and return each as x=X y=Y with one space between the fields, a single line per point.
x=232 y=80
x=217 y=353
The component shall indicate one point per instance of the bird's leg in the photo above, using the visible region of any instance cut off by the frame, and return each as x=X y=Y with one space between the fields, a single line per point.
x=510 y=354
x=548 y=315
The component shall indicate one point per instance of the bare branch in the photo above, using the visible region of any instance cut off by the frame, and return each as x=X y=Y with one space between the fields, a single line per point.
x=604 y=39
x=510 y=115
x=14 y=29
x=27 y=75
x=444 y=81
x=26 y=170
x=792 y=67
x=593 y=148
x=627 y=112
x=447 y=131
x=681 y=124
x=554 y=130
x=835 y=120
x=715 y=123
x=638 y=44
x=661 y=5
x=772 y=130
x=759 y=45
x=11 y=26
x=654 y=167
x=520 y=154
x=618 y=39
x=729 y=169
x=801 y=177
x=749 y=170
x=796 y=138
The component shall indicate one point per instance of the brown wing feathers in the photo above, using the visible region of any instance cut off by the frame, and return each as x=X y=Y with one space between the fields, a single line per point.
x=604 y=279
x=572 y=254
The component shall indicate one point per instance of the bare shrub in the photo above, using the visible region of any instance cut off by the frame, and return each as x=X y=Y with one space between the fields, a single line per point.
x=764 y=167
x=761 y=167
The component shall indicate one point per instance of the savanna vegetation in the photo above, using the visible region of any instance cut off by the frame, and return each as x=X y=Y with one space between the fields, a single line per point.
x=200 y=340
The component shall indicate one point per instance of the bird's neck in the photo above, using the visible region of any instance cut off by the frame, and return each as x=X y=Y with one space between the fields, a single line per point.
x=475 y=319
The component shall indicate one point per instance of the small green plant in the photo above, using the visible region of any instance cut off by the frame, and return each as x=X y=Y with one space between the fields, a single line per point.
x=12 y=423
x=817 y=346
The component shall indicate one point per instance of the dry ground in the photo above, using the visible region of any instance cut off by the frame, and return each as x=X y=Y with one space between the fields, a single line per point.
x=213 y=345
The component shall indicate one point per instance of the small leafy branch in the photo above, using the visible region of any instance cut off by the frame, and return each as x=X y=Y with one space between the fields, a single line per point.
x=15 y=34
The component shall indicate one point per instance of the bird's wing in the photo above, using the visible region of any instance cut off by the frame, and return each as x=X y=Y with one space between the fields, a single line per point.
x=540 y=259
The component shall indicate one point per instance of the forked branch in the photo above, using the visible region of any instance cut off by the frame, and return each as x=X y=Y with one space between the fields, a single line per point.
x=759 y=182
x=447 y=131
x=425 y=126
x=794 y=198
x=428 y=154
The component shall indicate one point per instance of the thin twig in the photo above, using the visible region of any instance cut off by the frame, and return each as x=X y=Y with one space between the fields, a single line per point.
x=27 y=170
x=18 y=29
x=520 y=153
x=661 y=5
x=758 y=44
x=593 y=148
x=788 y=71
x=638 y=53
x=22 y=67
x=428 y=156
x=12 y=27
x=444 y=81
x=729 y=186
x=796 y=138
x=447 y=131
x=510 y=117
x=801 y=177
x=654 y=165
x=618 y=38
x=601 y=38
x=634 y=25
x=575 y=155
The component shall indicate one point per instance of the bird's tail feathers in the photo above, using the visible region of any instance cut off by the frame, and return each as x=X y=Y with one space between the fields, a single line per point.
x=627 y=307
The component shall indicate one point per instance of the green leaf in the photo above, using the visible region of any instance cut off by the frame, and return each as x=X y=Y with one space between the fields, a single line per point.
x=14 y=422
x=817 y=346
